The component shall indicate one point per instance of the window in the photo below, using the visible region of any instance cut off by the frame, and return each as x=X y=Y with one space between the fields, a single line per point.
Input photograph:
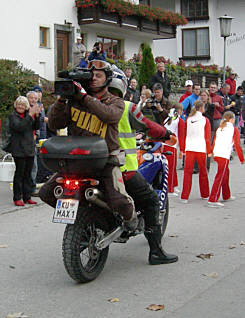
x=195 y=43
x=145 y=2
x=112 y=47
x=194 y=9
x=44 y=37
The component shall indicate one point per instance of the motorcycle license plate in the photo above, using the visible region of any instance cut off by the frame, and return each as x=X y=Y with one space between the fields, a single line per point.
x=65 y=211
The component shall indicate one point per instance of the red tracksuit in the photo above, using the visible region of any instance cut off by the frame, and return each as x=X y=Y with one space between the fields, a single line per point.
x=197 y=145
x=178 y=128
x=222 y=147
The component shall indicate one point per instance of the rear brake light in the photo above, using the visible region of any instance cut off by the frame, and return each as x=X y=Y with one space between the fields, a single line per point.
x=43 y=150
x=79 y=151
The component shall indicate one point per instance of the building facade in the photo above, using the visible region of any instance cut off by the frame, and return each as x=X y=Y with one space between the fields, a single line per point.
x=200 y=42
x=40 y=34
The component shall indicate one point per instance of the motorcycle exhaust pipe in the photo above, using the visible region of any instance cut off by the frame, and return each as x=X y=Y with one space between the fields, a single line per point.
x=92 y=195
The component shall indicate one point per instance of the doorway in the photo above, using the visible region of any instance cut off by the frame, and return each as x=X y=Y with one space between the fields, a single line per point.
x=62 y=46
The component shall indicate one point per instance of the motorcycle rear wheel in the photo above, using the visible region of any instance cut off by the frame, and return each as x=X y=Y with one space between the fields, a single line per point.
x=83 y=262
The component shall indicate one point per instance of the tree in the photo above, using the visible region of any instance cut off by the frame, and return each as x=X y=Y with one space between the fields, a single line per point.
x=148 y=66
x=15 y=80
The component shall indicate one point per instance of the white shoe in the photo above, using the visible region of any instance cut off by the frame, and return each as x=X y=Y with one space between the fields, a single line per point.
x=183 y=201
x=177 y=190
x=172 y=194
x=215 y=204
x=205 y=198
x=231 y=198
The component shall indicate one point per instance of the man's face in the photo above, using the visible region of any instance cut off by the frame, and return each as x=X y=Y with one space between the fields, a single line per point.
x=213 y=89
x=189 y=88
x=161 y=67
x=133 y=83
x=196 y=90
x=32 y=99
x=226 y=90
x=128 y=72
x=232 y=76
x=39 y=96
x=239 y=92
x=79 y=41
x=158 y=94
x=98 y=80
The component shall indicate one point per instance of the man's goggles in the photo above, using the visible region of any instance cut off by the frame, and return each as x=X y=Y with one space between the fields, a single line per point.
x=97 y=64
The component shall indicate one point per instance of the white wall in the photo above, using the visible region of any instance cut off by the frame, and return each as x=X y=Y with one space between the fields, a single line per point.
x=235 y=44
x=19 y=31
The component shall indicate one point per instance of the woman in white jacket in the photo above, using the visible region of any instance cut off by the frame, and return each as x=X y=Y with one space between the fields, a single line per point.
x=197 y=145
x=225 y=137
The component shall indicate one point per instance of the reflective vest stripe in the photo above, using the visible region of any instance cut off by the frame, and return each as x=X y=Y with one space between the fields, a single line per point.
x=127 y=140
x=126 y=135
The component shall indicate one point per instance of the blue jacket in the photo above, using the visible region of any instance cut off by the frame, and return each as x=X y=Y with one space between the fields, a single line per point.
x=95 y=56
x=189 y=101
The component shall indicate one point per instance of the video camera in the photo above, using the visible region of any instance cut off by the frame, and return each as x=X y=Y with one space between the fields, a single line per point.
x=152 y=101
x=66 y=87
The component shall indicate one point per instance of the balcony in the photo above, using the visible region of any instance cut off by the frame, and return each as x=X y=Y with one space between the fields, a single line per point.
x=99 y=15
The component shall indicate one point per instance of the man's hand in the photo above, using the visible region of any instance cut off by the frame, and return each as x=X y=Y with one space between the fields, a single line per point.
x=209 y=155
x=34 y=110
x=180 y=155
x=159 y=107
x=81 y=91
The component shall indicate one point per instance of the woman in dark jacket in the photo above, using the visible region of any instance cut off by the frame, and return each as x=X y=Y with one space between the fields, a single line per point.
x=98 y=52
x=22 y=125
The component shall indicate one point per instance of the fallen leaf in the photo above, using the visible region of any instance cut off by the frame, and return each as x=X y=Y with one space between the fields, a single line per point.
x=204 y=256
x=242 y=243
x=155 y=307
x=173 y=235
x=212 y=275
x=232 y=246
x=4 y=246
x=114 y=300
x=17 y=315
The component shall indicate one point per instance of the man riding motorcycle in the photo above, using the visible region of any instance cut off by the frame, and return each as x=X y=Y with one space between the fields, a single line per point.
x=95 y=113
x=145 y=198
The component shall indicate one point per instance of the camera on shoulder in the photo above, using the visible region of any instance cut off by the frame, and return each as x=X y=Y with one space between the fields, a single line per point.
x=66 y=87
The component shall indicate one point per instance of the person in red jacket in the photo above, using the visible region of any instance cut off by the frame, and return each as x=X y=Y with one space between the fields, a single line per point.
x=232 y=82
x=177 y=126
x=197 y=144
x=188 y=92
x=218 y=105
x=225 y=137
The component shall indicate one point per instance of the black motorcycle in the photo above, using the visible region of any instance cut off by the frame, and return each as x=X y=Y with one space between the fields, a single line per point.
x=91 y=225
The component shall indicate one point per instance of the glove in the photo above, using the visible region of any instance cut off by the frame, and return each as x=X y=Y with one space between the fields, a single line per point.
x=167 y=135
x=81 y=91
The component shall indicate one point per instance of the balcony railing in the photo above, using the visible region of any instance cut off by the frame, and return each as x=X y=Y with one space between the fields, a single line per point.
x=98 y=14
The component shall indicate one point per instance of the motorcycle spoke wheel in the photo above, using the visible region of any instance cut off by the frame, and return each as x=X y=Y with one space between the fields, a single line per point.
x=83 y=262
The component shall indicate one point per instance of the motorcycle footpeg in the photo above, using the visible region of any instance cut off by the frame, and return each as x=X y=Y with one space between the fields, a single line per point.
x=108 y=239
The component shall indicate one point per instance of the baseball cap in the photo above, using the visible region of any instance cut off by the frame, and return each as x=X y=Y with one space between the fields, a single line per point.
x=188 y=83
x=79 y=38
x=37 y=88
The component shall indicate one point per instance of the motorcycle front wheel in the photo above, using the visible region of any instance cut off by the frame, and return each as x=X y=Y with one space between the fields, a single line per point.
x=83 y=262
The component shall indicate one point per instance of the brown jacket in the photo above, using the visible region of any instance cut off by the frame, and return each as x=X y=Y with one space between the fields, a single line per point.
x=90 y=117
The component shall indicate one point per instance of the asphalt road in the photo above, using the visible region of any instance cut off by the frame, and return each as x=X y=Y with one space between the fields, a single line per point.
x=33 y=279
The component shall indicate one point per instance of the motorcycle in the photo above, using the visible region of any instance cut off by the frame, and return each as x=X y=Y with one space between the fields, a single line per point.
x=91 y=226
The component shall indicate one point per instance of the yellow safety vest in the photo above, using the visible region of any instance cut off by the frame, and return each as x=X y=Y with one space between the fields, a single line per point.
x=127 y=140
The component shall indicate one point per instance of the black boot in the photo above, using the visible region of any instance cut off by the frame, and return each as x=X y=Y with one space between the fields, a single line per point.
x=157 y=255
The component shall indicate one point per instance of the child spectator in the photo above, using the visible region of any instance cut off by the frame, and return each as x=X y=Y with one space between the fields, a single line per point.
x=197 y=144
x=225 y=136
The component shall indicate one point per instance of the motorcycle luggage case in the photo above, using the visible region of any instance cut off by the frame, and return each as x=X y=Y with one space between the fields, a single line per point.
x=78 y=155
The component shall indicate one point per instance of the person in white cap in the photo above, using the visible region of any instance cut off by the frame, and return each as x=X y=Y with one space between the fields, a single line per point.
x=78 y=51
x=188 y=92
